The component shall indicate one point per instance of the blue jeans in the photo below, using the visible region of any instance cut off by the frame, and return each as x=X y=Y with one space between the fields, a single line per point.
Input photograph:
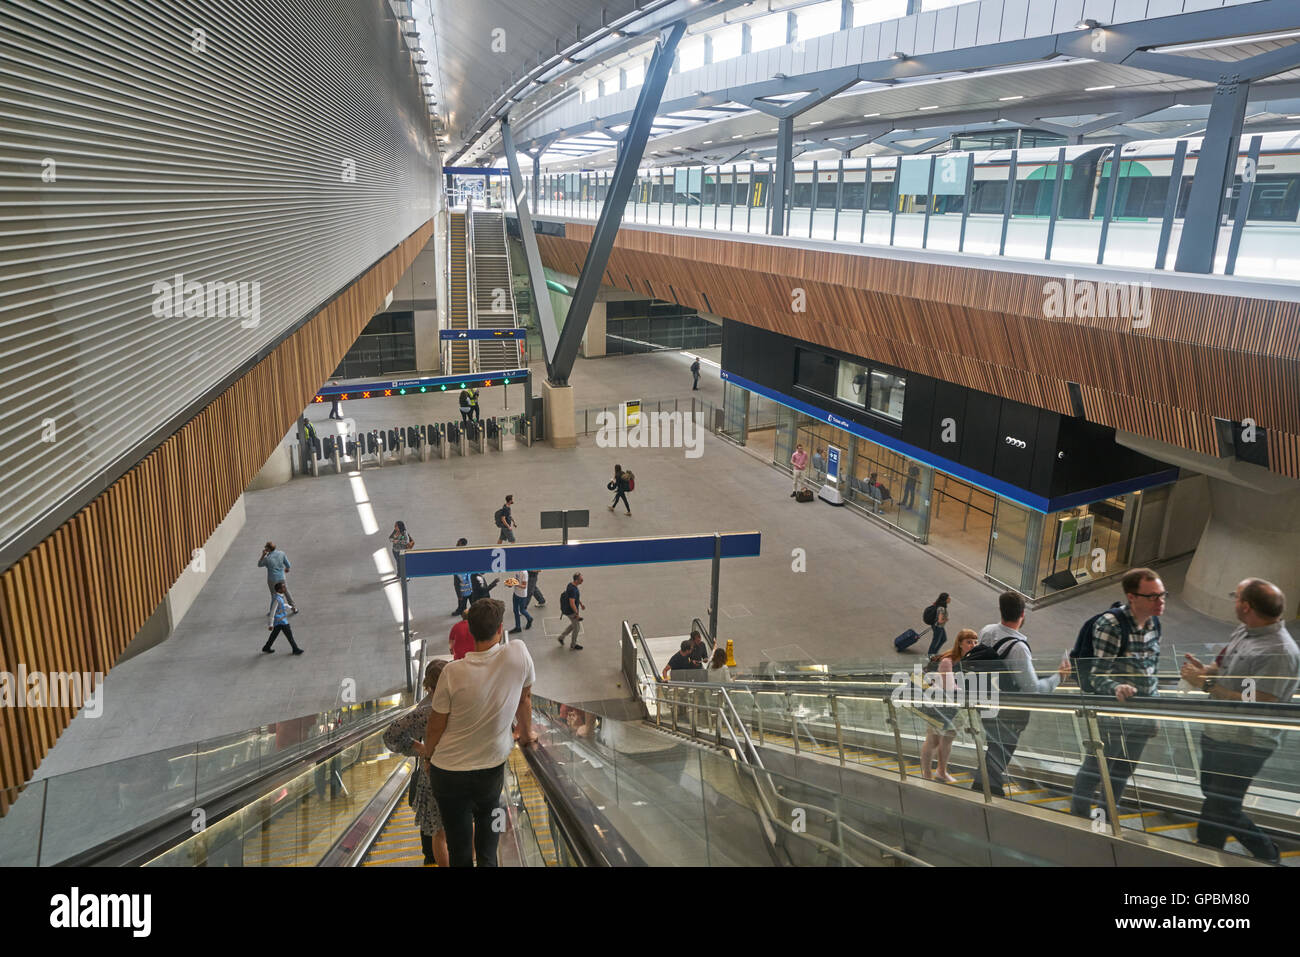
x=1123 y=741
x=469 y=802
x=521 y=608
x=940 y=637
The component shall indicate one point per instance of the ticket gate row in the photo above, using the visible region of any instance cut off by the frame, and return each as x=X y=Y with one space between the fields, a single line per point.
x=401 y=444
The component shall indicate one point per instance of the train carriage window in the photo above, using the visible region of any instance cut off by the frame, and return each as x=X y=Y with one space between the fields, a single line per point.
x=853 y=194
x=801 y=195
x=881 y=195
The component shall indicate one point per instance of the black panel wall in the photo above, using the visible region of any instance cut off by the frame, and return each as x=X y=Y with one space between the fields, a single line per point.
x=1060 y=455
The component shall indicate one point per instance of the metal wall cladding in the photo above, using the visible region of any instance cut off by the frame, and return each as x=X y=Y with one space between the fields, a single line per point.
x=258 y=154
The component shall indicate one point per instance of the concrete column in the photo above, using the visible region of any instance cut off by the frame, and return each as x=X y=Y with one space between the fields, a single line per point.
x=426 y=340
x=278 y=468
x=1250 y=534
x=561 y=431
x=593 y=340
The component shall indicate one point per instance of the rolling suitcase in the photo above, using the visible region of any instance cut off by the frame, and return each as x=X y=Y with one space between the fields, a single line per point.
x=907 y=639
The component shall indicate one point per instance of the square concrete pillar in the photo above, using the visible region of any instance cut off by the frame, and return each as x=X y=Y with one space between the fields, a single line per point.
x=593 y=338
x=557 y=405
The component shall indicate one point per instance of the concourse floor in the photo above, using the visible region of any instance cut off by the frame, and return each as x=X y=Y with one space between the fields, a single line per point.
x=862 y=584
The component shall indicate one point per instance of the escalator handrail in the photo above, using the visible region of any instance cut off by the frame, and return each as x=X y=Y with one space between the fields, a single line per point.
x=1264 y=712
x=153 y=838
x=708 y=638
x=645 y=649
x=582 y=825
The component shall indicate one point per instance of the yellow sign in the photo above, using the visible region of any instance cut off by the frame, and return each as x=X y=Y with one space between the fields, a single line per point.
x=632 y=413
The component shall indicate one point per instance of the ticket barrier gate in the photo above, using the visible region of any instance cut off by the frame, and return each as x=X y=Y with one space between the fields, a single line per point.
x=492 y=434
x=456 y=437
x=474 y=432
x=437 y=439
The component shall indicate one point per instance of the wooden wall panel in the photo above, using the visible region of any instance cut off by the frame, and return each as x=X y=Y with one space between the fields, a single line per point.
x=1202 y=355
x=74 y=602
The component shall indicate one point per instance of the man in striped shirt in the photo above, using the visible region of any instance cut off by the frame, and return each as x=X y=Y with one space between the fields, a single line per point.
x=1124 y=673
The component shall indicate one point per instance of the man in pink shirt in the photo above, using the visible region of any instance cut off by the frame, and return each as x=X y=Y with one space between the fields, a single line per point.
x=799 y=464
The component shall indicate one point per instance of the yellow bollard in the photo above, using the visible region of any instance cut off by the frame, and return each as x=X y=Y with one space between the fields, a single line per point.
x=731 y=653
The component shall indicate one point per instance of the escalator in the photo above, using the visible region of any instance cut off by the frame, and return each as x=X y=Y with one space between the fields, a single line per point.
x=845 y=726
x=458 y=295
x=494 y=302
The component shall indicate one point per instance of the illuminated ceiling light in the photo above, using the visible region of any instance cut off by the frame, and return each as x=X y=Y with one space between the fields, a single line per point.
x=1087 y=24
x=898 y=55
x=929 y=107
x=867 y=116
x=816 y=122
x=707 y=142
x=1003 y=99
x=1094 y=89
x=738 y=136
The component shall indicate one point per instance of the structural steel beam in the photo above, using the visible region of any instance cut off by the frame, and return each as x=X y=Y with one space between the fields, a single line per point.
x=1216 y=165
x=784 y=162
x=611 y=213
x=532 y=257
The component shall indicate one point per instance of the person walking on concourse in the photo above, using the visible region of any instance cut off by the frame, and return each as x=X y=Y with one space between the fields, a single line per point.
x=468 y=736
x=620 y=486
x=570 y=605
x=1260 y=663
x=280 y=623
x=695 y=371
x=277 y=566
x=504 y=522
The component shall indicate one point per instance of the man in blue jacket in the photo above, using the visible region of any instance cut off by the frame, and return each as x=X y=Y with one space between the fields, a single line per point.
x=277 y=566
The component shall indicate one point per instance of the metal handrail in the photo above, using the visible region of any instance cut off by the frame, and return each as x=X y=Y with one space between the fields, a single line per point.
x=704 y=630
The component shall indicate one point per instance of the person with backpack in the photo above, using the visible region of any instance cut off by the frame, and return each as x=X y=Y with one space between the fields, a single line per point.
x=936 y=616
x=1118 y=652
x=938 y=740
x=504 y=522
x=1004 y=650
x=695 y=371
x=623 y=483
x=460 y=583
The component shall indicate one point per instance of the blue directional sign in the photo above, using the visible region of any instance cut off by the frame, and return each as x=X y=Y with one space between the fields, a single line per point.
x=437 y=383
x=421 y=563
x=469 y=334
x=832 y=464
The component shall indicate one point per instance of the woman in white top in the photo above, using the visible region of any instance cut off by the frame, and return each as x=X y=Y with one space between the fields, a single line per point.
x=938 y=741
x=718 y=667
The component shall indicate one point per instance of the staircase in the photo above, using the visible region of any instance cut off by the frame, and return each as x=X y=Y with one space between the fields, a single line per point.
x=458 y=282
x=494 y=298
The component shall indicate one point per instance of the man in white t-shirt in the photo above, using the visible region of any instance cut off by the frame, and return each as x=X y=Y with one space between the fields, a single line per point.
x=520 y=599
x=468 y=737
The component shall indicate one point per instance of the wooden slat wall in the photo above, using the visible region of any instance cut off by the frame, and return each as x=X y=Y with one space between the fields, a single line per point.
x=1202 y=356
x=73 y=602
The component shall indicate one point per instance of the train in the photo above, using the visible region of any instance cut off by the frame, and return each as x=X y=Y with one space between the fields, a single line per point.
x=1145 y=169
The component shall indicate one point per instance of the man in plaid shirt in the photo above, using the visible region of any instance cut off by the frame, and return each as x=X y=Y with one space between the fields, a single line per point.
x=1124 y=677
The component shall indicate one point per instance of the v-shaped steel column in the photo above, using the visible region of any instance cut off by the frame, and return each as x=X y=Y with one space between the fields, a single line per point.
x=611 y=214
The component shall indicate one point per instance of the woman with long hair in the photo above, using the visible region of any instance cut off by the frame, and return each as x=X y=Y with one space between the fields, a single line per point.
x=938 y=740
x=401 y=539
x=402 y=736
x=620 y=488
x=718 y=666
x=940 y=638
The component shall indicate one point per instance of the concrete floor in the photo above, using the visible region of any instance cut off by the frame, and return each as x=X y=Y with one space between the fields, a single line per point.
x=862 y=584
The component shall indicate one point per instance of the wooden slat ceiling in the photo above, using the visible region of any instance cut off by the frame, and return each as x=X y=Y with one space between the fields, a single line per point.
x=1202 y=356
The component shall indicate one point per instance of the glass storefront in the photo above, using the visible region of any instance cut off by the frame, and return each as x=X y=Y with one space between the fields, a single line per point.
x=991 y=535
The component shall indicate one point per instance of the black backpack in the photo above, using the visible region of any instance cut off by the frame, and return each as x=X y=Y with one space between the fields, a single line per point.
x=930 y=615
x=1083 y=655
x=990 y=658
x=499 y=517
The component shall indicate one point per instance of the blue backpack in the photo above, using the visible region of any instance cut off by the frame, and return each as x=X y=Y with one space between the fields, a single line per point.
x=1083 y=656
